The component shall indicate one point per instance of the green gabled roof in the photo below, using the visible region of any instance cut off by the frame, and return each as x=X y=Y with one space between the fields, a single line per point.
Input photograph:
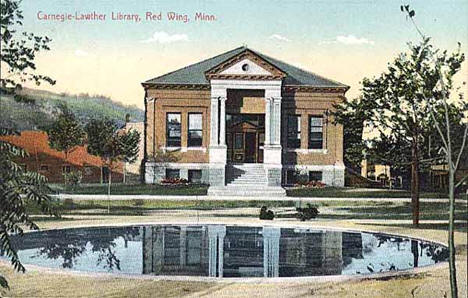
x=195 y=74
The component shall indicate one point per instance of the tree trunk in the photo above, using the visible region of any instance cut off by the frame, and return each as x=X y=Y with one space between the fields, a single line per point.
x=415 y=182
x=124 y=173
x=451 y=236
x=109 y=190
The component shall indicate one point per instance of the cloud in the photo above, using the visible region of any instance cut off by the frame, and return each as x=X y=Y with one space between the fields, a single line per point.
x=279 y=38
x=349 y=40
x=81 y=53
x=163 y=37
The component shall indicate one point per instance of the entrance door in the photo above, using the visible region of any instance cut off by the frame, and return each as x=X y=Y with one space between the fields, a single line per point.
x=250 y=147
x=245 y=136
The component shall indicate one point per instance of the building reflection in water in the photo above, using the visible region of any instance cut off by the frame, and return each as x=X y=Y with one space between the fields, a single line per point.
x=220 y=251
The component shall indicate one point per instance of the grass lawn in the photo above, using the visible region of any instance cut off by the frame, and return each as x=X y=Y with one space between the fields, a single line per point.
x=135 y=189
x=358 y=193
x=343 y=209
x=201 y=190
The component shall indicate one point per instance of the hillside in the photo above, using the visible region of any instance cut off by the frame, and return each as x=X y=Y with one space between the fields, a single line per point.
x=37 y=109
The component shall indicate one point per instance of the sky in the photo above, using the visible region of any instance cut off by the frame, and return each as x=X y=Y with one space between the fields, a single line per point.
x=341 y=40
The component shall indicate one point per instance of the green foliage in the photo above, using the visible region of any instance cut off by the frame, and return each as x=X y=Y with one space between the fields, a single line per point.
x=66 y=133
x=400 y=99
x=112 y=146
x=307 y=213
x=17 y=189
x=130 y=145
x=266 y=214
x=19 y=49
x=73 y=178
x=353 y=115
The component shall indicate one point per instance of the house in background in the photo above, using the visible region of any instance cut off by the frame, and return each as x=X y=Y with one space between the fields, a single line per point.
x=381 y=174
x=243 y=122
x=53 y=164
x=439 y=175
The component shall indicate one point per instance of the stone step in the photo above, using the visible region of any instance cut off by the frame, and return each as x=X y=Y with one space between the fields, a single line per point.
x=260 y=191
x=250 y=183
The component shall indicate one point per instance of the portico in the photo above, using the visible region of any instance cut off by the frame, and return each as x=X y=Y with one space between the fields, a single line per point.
x=272 y=121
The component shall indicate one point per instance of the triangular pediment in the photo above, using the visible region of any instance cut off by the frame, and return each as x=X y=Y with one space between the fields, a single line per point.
x=245 y=66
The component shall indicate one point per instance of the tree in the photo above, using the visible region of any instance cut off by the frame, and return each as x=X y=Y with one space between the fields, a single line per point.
x=66 y=133
x=130 y=148
x=113 y=146
x=353 y=115
x=441 y=108
x=400 y=106
x=19 y=49
x=18 y=188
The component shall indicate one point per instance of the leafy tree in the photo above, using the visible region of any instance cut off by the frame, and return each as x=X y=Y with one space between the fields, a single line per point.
x=18 y=188
x=113 y=146
x=19 y=49
x=66 y=133
x=399 y=99
x=130 y=147
x=453 y=134
x=353 y=115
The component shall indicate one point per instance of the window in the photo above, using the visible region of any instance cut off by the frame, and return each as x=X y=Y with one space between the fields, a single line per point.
x=88 y=171
x=194 y=176
x=194 y=248
x=315 y=132
x=44 y=168
x=294 y=131
x=239 y=141
x=172 y=173
x=291 y=177
x=173 y=130
x=66 y=169
x=315 y=176
x=195 y=132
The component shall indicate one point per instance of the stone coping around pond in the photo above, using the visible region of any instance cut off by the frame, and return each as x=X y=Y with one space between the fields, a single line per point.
x=302 y=279
x=236 y=198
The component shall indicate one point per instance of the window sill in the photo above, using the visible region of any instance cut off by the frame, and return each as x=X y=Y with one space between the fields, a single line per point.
x=183 y=149
x=299 y=150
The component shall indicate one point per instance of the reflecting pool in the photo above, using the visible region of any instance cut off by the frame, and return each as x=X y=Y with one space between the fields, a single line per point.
x=225 y=251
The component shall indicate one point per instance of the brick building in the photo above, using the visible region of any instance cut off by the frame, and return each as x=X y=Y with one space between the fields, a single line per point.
x=52 y=163
x=245 y=122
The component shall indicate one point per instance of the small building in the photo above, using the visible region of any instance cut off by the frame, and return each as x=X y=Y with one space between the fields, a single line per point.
x=243 y=120
x=53 y=164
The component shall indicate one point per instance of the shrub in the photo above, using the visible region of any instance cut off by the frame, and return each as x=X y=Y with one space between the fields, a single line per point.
x=312 y=184
x=266 y=214
x=73 y=178
x=68 y=204
x=138 y=202
x=174 y=181
x=307 y=213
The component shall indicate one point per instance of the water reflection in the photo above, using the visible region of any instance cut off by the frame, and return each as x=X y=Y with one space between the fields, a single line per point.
x=225 y=251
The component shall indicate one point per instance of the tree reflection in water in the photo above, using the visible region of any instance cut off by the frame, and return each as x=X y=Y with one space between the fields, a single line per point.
x=75 y=243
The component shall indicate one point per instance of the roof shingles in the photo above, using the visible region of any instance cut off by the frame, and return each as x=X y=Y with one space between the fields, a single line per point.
x=195 y=74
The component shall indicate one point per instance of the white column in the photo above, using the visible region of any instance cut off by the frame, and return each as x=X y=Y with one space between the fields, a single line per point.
x=267 y=121
x=222 y=120
x=216 y=234
x=271 y=236
x=214 y=121
x=277 y=121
